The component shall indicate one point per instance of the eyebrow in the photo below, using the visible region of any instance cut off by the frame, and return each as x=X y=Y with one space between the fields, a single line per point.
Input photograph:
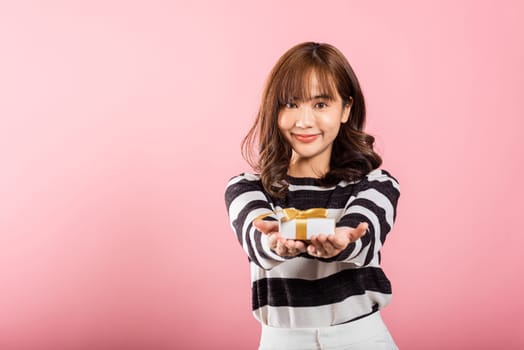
x=323 y=96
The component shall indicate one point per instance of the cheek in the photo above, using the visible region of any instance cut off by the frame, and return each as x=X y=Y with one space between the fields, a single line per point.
x=330 y=124
x=285 y=121
x=333 y=132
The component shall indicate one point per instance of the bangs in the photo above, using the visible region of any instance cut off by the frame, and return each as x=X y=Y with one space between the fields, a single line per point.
x=298 y=84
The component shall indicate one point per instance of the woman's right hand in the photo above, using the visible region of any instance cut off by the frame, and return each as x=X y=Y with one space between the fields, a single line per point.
x=280 y=245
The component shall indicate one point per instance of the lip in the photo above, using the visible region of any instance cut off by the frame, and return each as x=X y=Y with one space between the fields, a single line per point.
x=306 y=138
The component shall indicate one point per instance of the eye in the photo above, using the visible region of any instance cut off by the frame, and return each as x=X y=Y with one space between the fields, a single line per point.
x=290 y=105
x=320 y=105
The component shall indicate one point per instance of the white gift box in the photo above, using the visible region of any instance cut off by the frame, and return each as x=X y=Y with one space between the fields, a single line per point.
x=304 y=229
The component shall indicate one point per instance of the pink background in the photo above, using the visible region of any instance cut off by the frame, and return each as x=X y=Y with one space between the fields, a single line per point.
x=121 y=123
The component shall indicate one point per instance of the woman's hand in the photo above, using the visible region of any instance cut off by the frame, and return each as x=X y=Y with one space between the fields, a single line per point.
x=324 y=246
x=277 y=243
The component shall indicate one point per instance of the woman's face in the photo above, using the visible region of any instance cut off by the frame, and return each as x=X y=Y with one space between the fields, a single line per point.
x=311 y=126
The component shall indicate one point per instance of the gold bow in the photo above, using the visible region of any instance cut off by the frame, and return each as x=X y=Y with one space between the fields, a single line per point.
x=301 y=217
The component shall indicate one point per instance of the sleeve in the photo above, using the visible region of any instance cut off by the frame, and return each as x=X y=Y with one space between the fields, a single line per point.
x=375 y=202
x=245 y=201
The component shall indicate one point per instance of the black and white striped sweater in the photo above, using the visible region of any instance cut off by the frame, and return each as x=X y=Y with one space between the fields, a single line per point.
x=312 y=292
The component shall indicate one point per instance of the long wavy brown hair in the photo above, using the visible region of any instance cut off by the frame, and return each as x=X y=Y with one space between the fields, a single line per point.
x=352 y=154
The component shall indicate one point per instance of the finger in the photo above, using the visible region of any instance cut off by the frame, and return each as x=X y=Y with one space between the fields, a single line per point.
x=333 y=245
x=359 y=231
x=329 y=249
x=290 y=247
x=300 y=246
x=295 y=247
x=284 y=245
x=265 y=226
x=339 y=241
x=317 y=243
x=281 y=248
x=312 y=250
x=324 y=245
x=273 y=239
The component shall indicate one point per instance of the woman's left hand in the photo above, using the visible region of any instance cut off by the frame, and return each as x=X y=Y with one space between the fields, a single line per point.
x=328 y=246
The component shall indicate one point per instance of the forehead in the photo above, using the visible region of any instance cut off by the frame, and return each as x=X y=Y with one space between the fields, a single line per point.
x=318 y=88
x=307 y=85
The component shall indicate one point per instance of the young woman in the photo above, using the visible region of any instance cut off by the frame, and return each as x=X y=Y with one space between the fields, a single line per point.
x=309 y=149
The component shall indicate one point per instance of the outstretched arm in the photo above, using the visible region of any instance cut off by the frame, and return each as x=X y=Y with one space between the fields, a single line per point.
x=246 y=201
x=374 y=203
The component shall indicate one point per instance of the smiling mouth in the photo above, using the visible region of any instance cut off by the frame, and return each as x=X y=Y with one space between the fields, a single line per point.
x=305 y=138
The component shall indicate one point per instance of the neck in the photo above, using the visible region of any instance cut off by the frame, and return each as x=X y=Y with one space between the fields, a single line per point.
x=308 y=168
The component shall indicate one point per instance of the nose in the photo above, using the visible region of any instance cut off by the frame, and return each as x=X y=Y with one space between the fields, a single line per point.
x=305 y=118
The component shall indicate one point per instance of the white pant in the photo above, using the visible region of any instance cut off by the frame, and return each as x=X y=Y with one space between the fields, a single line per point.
x=368 y=333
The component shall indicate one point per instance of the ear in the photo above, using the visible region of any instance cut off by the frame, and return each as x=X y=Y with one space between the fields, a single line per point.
x=346 y=111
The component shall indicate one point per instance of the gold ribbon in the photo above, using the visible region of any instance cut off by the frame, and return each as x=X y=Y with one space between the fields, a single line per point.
x=301 y=217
